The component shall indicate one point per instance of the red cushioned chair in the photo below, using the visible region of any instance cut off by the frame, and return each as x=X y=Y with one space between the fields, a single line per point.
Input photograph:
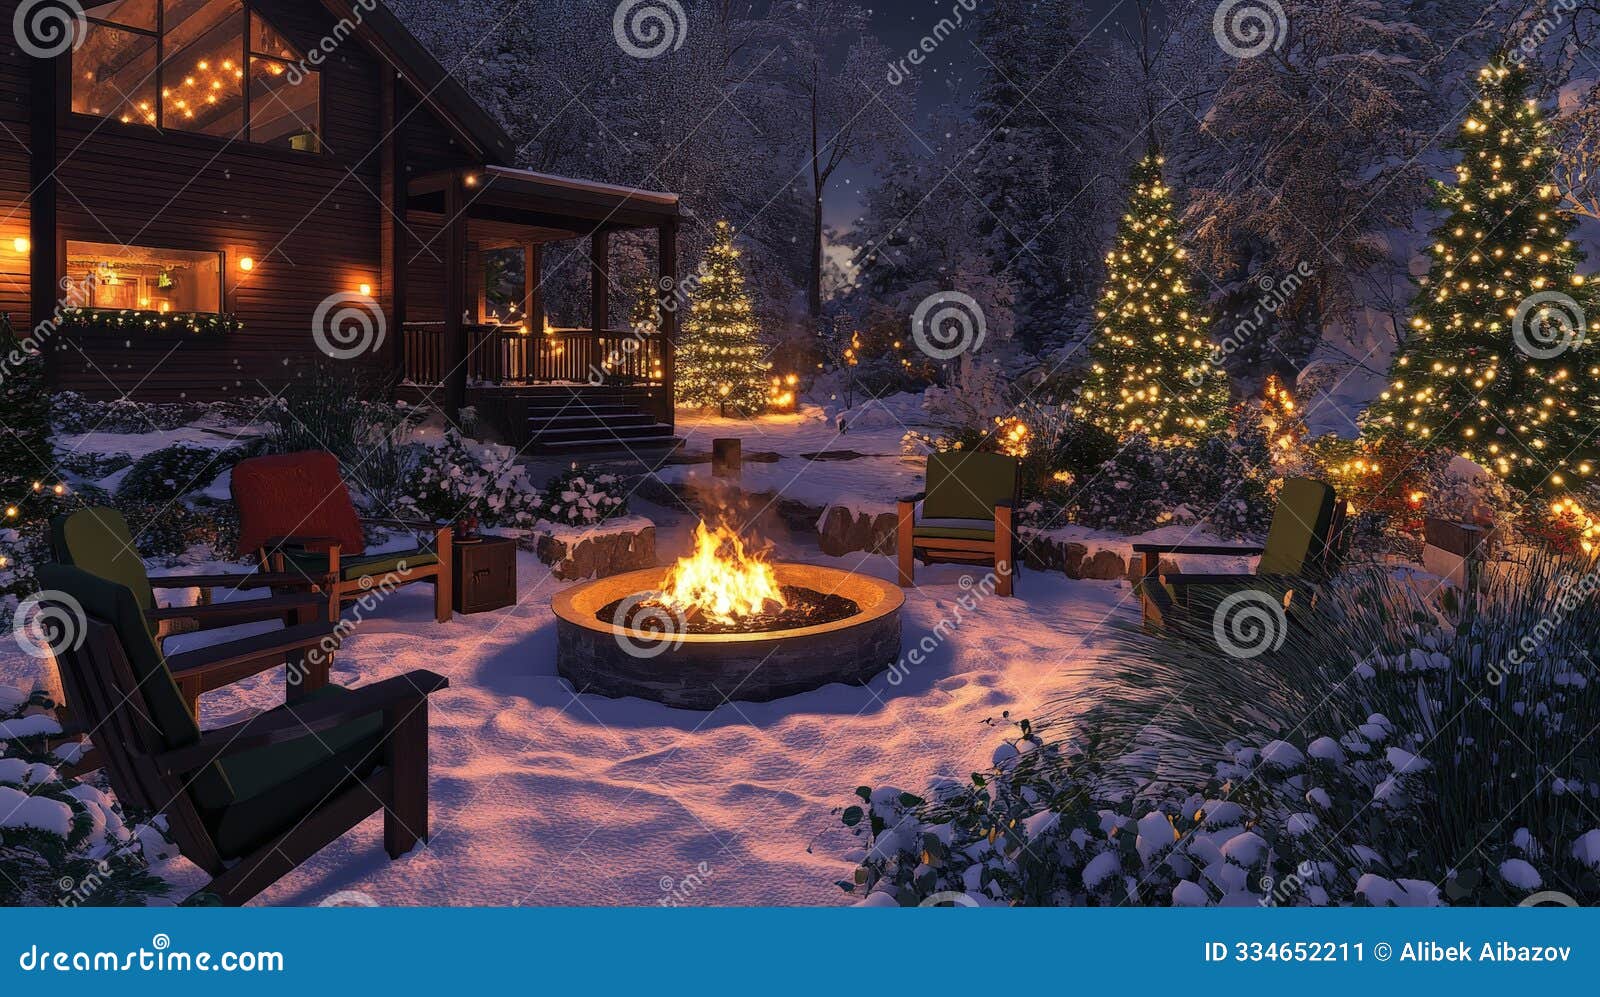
x=295 y=514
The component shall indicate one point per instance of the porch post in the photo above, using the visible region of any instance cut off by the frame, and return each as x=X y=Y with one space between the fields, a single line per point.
x=392 y=223
x=600 y=281
x=671 y=302
x=477 y=284
x=455 y=295
x=46 y=250
x=533 y=287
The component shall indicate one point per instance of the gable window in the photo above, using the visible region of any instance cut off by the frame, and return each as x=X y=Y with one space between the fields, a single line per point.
x=137 y=278
x=215 y=67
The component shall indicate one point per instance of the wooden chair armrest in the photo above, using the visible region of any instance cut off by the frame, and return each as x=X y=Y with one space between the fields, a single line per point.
x=293 y=540
x=423 y=525
x=299 y=719
x=1180 y=579
x=918 y=497
x=218 y=614
x=272 y=645
x=243 y=582
x=1243 y=550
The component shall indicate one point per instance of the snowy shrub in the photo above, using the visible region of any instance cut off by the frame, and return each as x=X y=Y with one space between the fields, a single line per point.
x=1130 y=493
x=166 y=475
x=65 y=842
x=579 y=497
x=457 y=479
x=72 y=413
x=1398 y=749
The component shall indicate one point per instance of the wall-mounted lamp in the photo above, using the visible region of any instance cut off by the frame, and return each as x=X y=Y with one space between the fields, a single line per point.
x=366 y=290
x=21 y=244
x=247 y=263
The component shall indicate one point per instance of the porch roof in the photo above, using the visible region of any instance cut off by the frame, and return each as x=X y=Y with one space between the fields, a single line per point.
x=513 y=206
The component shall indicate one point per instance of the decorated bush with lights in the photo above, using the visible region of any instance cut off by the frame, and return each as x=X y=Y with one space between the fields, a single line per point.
x=1152 y=370
x=29 y=485
x=1497 y=368
x=721 y=360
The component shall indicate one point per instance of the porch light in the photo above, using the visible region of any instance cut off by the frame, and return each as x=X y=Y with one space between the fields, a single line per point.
x=247 y=263
x=366 y=290
x=471 y=180
x=21 y=244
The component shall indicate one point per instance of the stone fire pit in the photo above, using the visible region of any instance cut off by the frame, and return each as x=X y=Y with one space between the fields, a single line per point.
x=701 y=671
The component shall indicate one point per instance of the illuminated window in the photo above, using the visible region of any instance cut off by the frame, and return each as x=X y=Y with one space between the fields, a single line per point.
x=209 y=66
x=143 y=279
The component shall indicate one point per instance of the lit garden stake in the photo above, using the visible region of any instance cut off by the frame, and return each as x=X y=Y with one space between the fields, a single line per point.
x=1496 y=367
x=1152 y=370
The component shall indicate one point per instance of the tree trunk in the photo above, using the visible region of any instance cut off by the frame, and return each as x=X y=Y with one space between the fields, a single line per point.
x=815 y=291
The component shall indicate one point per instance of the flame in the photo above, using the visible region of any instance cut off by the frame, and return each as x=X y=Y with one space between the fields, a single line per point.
x=719 y=579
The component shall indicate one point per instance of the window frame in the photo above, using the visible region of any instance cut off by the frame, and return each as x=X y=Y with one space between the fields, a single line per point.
x=248 y=54
x=224 y=291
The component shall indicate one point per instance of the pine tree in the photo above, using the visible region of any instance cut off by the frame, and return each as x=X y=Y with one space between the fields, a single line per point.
x=1497 y=368
x=27 y=473
x=720 y=358
x=1152 y=371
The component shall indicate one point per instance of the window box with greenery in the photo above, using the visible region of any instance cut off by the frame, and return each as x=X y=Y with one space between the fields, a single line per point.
x=110 y=322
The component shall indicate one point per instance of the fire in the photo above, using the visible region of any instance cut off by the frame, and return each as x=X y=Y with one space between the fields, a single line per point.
x=720 y=580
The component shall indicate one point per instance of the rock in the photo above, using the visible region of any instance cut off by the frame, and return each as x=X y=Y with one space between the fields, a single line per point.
x=1106 y=565
x=597 y=554
x=1072 y=556
x=844 y=531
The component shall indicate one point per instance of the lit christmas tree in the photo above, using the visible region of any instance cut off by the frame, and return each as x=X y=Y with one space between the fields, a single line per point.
x=1496 y=368
x=1152 y=371
x=720 y=357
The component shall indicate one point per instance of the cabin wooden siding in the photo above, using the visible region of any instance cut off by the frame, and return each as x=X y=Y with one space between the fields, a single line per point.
x=313 y=223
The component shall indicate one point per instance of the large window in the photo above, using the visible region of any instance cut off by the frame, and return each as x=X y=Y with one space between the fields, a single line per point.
x=209 y=66
x=142 y=279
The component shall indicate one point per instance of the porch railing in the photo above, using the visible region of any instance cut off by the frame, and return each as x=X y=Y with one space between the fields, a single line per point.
x=504 y=354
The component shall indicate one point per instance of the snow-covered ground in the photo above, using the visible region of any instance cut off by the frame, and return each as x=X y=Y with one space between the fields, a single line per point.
x=541 y=796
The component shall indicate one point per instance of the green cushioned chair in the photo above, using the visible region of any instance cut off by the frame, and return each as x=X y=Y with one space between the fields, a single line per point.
x=365 y=565
x=1304 y=544
x=251 y=801
x=964 y=515
x=98 y=541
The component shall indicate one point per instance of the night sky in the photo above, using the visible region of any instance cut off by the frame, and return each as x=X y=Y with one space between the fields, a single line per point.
x=946 y=76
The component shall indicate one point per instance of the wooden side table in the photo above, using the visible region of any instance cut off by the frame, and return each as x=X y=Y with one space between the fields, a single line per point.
x=485 y=574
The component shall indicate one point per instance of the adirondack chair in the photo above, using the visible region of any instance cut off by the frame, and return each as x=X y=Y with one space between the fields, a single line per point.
x=964 y=516
x=98 y=541
x=251 y=801
x=1304 y=545
x=295 y=515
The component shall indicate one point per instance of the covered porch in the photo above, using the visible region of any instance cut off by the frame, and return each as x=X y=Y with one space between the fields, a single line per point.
x=456 y=346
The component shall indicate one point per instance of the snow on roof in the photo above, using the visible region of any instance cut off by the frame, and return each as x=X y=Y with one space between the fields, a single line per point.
x=591 y=186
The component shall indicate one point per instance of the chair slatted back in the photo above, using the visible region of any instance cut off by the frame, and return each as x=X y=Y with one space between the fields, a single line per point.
x=111 y=704
x=968 y=484
x=1297 y=541
x=98 y=540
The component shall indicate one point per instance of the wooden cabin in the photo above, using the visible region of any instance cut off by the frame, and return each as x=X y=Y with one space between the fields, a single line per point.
x=200 y=197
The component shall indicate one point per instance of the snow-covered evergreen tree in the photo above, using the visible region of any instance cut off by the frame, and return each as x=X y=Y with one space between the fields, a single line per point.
x=1499 y=368
x=720 y=358
x=1152 y=370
